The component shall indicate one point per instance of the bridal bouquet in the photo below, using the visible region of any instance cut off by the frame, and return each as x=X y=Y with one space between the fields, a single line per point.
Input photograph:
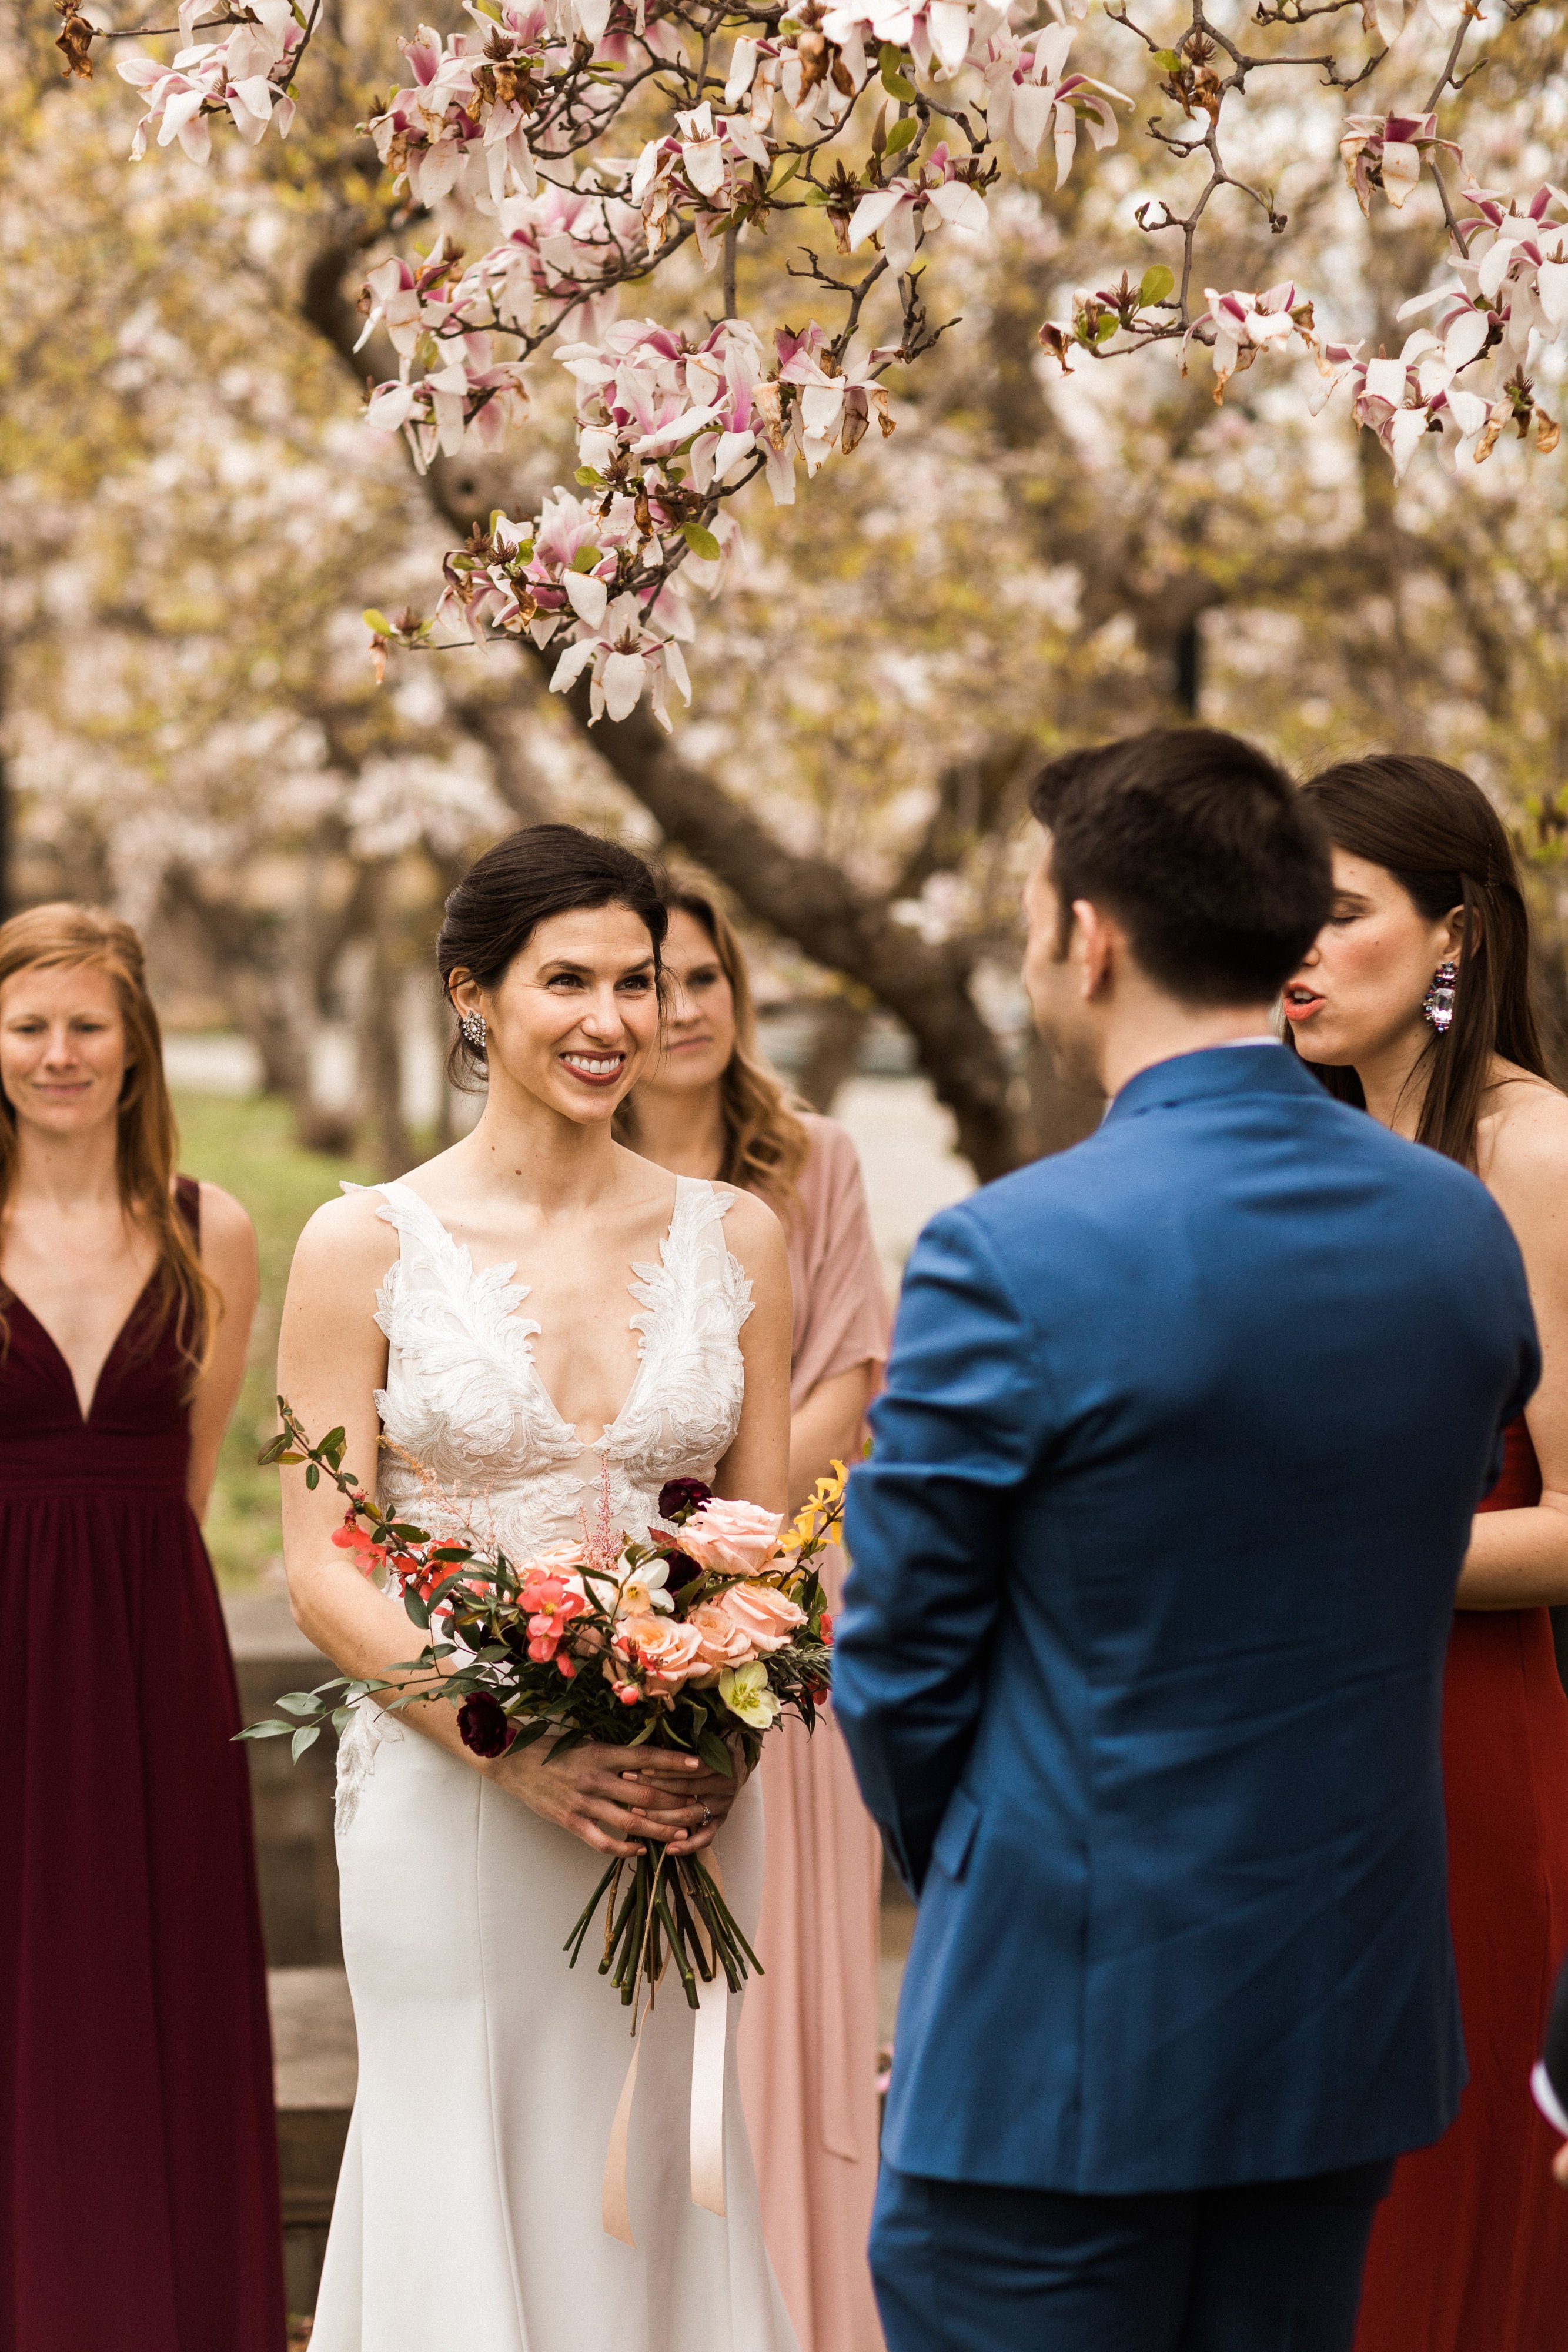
x=697 y=1636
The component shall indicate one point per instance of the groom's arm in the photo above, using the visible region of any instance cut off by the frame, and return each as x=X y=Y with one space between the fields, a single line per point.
x=957 y=1429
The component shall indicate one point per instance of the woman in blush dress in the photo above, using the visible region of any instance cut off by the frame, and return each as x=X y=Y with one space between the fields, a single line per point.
x=1415 y=1002
x=470 y=2210
x=139 y=2203
x=711 y=1107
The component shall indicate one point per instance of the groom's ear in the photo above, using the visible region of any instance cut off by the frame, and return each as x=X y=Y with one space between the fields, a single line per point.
x=1096 y=944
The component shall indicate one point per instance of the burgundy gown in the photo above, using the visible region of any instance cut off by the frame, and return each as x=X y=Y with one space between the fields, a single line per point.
x=139 y=2198
x=1470 y=2252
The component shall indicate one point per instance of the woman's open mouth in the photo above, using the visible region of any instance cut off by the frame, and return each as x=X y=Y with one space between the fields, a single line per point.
x=594 y=1069
x=1300 y=1002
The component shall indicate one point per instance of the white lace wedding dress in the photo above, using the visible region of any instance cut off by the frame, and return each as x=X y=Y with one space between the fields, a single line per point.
x=468 y=2212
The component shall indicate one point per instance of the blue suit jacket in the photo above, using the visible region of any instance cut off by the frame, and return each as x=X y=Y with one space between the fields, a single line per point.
x=1142 y=1649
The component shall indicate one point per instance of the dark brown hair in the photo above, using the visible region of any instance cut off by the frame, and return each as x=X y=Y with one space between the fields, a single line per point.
x=1201 y=846
x=765 y=1143
x=1434 y=831
x=65 y=936
x=537 y=872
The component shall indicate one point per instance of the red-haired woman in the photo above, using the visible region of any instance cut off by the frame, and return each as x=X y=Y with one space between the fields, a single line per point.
x=139 y=2203
x=711 y=1107
x=1415 y=1002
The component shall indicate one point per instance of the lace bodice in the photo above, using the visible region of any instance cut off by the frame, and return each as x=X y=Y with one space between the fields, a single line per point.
x=464 y=1394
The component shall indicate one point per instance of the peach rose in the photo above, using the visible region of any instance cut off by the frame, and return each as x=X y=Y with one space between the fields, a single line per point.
x=766 y=1616
x=722 y=1640
x=731 y=1539
x=662 y=1652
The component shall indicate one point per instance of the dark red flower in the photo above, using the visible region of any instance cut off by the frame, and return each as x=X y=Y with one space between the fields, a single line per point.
x=484 y=1726
x=679 y=1498
x=682 y=1571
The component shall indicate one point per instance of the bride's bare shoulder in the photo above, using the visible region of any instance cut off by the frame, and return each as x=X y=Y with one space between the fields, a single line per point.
x=346 y=1240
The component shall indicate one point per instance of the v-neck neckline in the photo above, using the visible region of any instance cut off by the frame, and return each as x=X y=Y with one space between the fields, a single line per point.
x=524 y=1292
x=63 y=1360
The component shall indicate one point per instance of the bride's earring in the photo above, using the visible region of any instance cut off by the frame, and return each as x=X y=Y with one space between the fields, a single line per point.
x=1438 y=1005
x=473 y=1027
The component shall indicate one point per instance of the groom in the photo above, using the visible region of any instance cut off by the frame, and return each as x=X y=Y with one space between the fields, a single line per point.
x=1141 y=1655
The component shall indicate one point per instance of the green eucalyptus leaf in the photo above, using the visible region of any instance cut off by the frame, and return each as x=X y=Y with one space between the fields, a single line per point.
x=271 y=1729
x=299 y=1702
x=305 y=1737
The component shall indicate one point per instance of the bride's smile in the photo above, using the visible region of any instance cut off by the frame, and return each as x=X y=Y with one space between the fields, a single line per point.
x=575 y=1017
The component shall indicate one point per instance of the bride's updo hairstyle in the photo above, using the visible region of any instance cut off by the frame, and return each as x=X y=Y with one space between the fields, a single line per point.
x=537 y=872
x=1434 y=831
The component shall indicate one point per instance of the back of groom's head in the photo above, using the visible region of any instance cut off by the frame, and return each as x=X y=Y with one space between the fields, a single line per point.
x=1200 y=847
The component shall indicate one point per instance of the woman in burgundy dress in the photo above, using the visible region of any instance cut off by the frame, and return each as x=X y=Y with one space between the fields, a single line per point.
x=139 y=2203
x=711 y=1107
x=1415 y=1002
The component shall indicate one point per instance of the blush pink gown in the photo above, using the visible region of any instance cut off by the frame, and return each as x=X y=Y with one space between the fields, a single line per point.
x=808 y=2032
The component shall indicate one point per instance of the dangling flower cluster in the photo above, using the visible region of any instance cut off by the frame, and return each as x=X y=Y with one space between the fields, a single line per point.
x=1029 y=92
x=1238 y=326
x=1386 y=151
x=444 y=323
x=243 y=77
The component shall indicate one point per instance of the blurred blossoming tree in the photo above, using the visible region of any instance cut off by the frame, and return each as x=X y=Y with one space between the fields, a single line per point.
x=1014 y=541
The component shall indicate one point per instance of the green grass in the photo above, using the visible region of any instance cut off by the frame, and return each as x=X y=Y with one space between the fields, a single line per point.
x=248 y=1147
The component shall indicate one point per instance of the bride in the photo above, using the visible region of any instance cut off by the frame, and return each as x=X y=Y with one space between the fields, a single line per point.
x=481 y=1313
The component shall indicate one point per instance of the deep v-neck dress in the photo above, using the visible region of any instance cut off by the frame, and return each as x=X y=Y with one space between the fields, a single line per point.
x=468 y=2213
x=139 y=2206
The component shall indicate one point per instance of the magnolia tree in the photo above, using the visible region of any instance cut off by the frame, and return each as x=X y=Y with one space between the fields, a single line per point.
x=600 y=138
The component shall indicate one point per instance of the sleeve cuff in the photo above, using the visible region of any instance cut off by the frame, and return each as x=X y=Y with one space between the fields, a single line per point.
x=1547 y=2100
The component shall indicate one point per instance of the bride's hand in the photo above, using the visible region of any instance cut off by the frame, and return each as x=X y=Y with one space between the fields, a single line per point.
x=613 y=1805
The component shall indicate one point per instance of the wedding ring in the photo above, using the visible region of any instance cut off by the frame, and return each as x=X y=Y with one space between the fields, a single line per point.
x=708 y=1815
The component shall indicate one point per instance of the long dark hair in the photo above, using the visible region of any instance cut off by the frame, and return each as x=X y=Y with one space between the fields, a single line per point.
x=765 y=1144
x=537 y=872
x=1435 y=832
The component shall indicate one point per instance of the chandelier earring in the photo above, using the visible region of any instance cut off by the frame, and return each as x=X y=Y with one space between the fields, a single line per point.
x=473 y=1027
x=1438 y=1005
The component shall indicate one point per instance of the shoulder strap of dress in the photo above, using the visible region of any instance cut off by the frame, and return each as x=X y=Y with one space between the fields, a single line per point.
x=188 y=1204
x=412 y=1219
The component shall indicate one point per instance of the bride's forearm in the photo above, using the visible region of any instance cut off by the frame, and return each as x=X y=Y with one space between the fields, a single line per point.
x=369 y=1635
x=1518 y=1560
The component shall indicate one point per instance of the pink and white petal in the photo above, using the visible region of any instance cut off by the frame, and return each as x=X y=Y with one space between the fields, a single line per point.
x=1405 y=434
x=1386 y=380
x=961 y=207
x=587 y=596
x=572 y=662
x=781 y=469
x=622 y=679
x=901 y=237
x=949 y=23
x=873 y=212
x=1466 y=338
x=1066 y=141
x=1401 y=170
x=733 y=449
x=742 y=72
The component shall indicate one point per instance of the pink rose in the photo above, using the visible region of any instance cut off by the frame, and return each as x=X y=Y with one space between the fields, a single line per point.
x=661 y=1652
x=732 y=1539
x=722 y=1641
x=766 y=1616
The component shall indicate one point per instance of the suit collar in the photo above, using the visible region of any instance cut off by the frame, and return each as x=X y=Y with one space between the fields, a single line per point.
x=1214 y=1070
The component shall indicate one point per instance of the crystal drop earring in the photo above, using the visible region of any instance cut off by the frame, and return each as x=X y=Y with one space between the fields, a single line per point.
x=1438 y=1005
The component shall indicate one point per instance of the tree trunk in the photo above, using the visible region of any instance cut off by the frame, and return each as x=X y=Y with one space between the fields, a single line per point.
x=380 y=1033
x=837 y=1034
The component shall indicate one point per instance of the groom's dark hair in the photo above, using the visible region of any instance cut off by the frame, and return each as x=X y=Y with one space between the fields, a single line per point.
x=1201 y=846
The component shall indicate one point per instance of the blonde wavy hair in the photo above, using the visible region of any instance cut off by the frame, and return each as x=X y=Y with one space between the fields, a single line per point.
x=766 y=1144
x=63 y=935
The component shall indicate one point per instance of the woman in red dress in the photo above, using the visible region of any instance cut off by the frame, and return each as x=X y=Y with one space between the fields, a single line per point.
x=139 y=2203
x=1415 y=1002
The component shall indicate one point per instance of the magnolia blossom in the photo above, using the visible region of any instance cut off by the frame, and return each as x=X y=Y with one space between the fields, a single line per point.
x=836 y=401
x=698 y=167
x=240 y=75
x=901 y=211
x=624 y=659
x=1386 y=151
x=1027 y=95
x=940 y=35
x=1239 y=325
